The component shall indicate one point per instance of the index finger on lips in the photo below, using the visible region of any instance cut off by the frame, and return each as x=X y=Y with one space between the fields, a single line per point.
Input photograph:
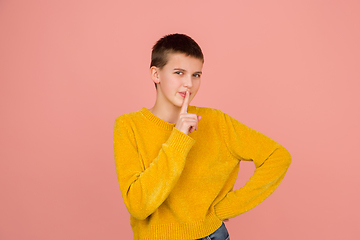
x=185 y=103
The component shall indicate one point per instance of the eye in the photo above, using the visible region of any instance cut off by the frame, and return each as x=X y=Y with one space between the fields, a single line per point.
x=196 y=75
x=179 y=73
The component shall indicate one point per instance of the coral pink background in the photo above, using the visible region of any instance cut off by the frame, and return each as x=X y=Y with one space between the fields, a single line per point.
x=289 y=69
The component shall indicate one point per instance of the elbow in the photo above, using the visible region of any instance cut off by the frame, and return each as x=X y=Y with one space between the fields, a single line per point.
x=139 y=213
x=137 y=202
x=138 y=206
x=285 y=156
x=280 y=158
x=288 y=158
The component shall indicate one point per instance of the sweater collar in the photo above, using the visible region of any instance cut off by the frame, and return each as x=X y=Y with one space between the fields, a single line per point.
x=158 y=121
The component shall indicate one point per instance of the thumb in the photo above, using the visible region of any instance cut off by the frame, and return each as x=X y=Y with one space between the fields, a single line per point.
x=199 y=118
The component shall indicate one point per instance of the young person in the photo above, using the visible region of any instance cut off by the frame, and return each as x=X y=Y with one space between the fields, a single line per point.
x=177 y=164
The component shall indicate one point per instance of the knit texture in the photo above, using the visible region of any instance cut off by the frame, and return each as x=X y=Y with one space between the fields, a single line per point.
x=178 y=186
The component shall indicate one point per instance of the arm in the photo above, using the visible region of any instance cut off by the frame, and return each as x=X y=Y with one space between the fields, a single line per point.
x=144 y=190
x=271 y=161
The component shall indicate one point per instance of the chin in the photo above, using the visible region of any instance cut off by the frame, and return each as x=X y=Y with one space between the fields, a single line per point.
x=178 y=104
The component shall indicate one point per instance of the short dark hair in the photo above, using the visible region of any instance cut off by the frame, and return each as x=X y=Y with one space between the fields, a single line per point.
x=174 y=43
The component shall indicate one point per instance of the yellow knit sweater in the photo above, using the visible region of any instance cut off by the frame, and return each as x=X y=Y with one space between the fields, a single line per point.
x=178 y=186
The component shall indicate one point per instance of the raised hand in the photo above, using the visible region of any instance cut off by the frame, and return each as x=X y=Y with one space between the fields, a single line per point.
x=187 y=122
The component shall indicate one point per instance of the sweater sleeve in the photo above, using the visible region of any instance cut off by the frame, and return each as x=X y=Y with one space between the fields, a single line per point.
x=144 y=190
x=271 y=161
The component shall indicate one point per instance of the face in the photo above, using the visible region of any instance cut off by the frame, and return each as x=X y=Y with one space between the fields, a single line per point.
x=181 y=73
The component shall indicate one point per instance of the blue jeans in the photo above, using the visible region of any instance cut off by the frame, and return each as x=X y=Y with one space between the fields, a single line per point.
x=220 y=234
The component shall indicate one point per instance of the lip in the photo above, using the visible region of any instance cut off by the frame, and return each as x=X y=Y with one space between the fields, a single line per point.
x=183 y=94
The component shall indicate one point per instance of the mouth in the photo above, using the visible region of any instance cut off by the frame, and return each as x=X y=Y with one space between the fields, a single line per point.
x=183 y=94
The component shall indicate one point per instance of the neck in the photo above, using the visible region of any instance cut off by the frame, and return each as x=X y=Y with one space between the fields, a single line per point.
x=168 y=113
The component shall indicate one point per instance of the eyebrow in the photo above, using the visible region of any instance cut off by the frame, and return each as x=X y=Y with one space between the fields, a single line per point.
x=180 y=69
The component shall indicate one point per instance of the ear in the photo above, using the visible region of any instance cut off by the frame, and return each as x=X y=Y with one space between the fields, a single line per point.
x=154 y=72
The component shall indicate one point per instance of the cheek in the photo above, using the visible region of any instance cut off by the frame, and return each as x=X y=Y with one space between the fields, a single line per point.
x=196 y=85
x=171 y=84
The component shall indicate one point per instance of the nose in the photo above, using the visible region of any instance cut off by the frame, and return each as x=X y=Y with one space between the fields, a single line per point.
x=188 y=82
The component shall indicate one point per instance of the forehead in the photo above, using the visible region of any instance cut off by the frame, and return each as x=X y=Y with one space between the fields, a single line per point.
x=180 y=60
